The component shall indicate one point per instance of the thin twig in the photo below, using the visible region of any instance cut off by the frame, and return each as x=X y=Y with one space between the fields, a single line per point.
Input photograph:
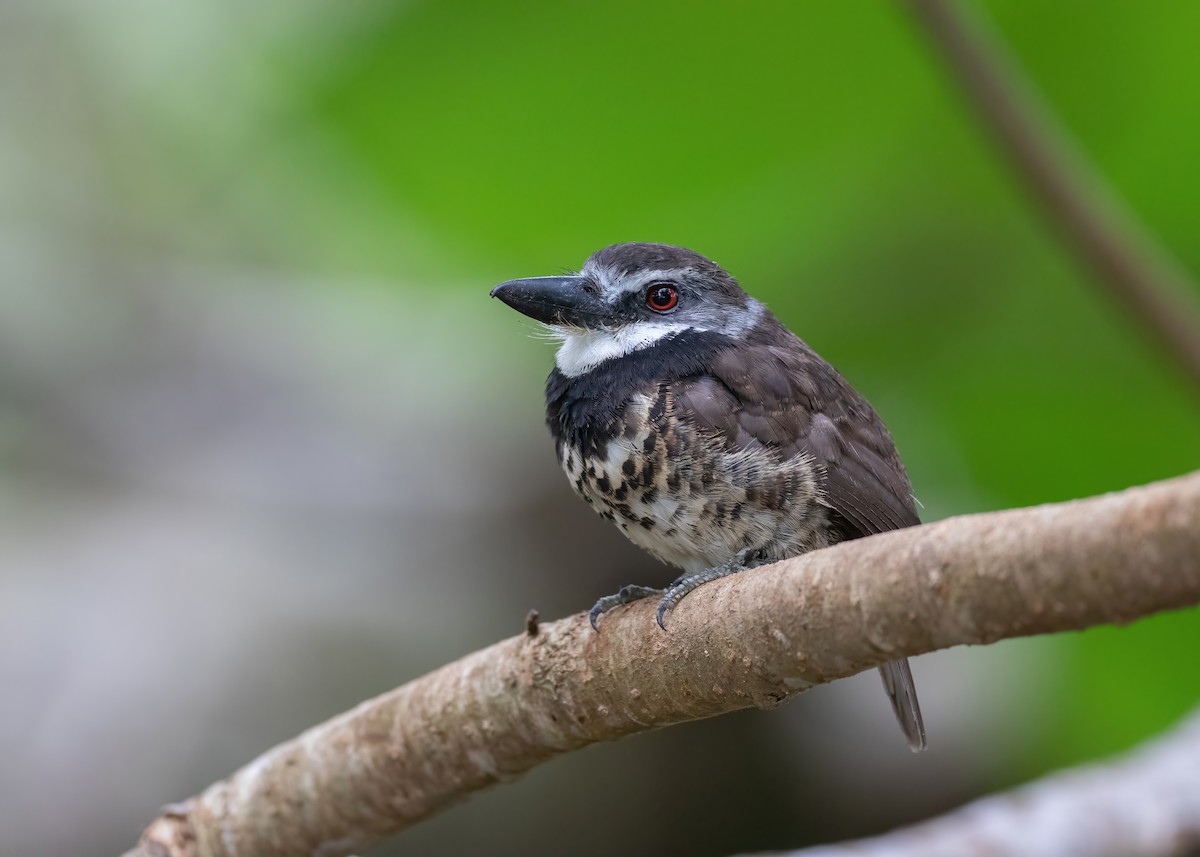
x=1104 y=234
x=755 y=638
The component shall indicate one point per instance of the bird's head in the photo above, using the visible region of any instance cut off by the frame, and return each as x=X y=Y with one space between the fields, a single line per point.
x=628 y=297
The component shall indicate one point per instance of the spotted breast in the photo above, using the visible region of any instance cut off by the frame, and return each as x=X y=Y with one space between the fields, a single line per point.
x=645 y=460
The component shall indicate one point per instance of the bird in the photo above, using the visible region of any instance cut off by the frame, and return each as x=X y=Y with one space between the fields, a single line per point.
x=686 y=413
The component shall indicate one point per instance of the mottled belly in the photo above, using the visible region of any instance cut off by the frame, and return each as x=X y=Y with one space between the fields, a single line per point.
x=689 y=500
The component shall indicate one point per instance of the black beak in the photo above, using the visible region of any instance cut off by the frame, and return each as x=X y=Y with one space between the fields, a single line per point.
x=553 y=300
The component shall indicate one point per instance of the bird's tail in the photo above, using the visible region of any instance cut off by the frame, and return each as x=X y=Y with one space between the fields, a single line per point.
x=902 y=691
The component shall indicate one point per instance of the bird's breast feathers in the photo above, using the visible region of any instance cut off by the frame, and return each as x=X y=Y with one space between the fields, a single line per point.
x=701 y=445
x=682 y=494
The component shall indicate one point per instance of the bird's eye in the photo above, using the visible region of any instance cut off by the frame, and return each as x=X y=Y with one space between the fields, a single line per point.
x=662 y=298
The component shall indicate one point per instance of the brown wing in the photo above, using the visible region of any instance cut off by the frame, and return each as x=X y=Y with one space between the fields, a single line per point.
x=781 y=395
x=774 y=391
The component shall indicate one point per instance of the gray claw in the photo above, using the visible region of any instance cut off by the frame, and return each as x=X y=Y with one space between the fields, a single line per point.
x=684 y=584
x=626 y=595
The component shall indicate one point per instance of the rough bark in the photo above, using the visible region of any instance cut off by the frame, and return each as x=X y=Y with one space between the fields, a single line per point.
x=755 y=638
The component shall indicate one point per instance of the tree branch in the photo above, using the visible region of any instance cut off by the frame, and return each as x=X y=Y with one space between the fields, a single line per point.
x=1146 y=803
x=755 y=638
x=1137 y=271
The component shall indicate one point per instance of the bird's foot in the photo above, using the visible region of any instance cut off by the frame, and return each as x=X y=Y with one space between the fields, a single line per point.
x=687 y=582
x=626 y=595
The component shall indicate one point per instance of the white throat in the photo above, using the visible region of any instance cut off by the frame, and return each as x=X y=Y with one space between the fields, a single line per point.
x=584 y=350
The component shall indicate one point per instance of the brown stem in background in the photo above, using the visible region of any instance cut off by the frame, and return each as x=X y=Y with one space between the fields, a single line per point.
x=754 y=638
x=1133 y=267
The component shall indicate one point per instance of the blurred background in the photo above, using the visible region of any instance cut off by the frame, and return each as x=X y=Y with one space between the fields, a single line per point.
x=267 y=448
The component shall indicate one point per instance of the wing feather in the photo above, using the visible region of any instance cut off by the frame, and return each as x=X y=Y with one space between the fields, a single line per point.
x=784 y=396
x=774 y=392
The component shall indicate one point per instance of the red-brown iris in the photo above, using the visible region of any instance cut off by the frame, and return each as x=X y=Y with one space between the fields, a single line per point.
x=662 y=297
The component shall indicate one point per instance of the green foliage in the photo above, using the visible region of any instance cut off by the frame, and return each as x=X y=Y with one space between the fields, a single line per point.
x=1124 y=684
